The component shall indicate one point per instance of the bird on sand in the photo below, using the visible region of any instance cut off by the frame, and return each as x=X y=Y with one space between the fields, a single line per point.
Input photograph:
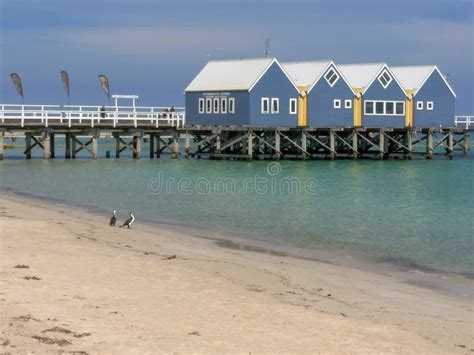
x=129 y=221
x=113 y=219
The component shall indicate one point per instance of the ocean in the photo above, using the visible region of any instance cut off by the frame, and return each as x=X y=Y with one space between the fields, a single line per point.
x=417 y=213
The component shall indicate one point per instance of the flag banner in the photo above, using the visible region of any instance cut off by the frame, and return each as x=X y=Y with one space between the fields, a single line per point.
x=104 y=82
x=17 y=81
x=65 y=78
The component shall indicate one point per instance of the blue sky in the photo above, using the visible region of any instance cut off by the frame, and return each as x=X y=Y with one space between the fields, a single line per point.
x=154 y=48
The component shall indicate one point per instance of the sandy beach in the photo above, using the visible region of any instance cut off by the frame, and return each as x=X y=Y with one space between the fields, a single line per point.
x=70 y=283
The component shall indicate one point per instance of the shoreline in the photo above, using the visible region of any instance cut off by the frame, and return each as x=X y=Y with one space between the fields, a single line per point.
x=149 y=289
x=448 y=283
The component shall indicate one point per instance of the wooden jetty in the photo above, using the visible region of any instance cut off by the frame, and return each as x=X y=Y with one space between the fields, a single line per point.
x=167 y=133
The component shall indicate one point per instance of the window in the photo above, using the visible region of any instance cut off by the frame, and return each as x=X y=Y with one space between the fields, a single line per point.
x=385 y=79
x=231 y=105
x=216 y=105
x=429 y=105
x=389 y=108
x=331 y=77
x=369 y=108
x=337 y=103
x=379 y=106
x=208 y=105
x=399 y=108
x=201 y=105
x=275 y=105
x=223 y=104
x=265 y=105
x=347 y=103
x=419 y=105
x=385 y=108
x=293 y=106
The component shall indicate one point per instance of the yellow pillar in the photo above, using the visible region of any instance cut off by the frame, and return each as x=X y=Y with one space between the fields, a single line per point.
x=409 y=109
x=357 y=107
x=302 y=107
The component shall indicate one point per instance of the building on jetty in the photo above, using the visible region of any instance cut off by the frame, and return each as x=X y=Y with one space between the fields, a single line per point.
x=432 y=98
x=242 y=92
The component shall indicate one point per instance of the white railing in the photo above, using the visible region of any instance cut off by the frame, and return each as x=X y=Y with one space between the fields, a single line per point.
x=465 y=121
x=91 y=115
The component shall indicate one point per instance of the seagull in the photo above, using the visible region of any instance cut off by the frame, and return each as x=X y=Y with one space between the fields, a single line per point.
x=129 y=221
x=113 y=219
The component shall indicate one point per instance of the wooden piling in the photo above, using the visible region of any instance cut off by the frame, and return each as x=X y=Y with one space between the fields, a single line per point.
x=465 y=145
x=73 y=146
x=117 y=145
x=381 y=154
x=152 y=145
x=67 y=143
x=409 y=140
x=94 y=146
x=429 y=144
x=332 y=145
x=52 y=146
x=137 y=147
x=175 y=152
x=187 y=144
x=1 y=145
x=250 y=144
x=28 y=145
x=303 y=143
x=355 y=145
x=45 y=136
x=450 y=148
x=277 y=144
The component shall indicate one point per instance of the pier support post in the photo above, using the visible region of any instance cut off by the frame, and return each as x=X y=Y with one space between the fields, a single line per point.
x=158 y=146
x=117 y=145
x=355 y=144
x=67 y=141
x=45 y=137
x=465 y=144
x=28 y=145
x=52 y=146
x=250 y=144
x=277 y=144
x=303 y=143
x=332 y=144
x=137 y=147
x=450 y=148
x=175 y=153
x=187 y=144
x=409 y=136
x=429 y=144
x=94 y=146
x=1 y=145
x=381 y=144
x=73 y=146
x=152 y=145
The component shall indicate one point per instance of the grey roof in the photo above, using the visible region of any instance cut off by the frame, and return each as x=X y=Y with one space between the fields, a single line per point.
x=360 y=75
x=305 y=73
x=240 y=74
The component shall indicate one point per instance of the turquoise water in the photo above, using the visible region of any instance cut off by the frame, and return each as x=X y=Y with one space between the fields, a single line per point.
x=418 y=212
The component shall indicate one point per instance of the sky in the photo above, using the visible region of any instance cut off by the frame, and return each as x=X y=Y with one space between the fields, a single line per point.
x=154 y=48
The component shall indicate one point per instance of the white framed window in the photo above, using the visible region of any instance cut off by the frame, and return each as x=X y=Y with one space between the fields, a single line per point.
x=265 y=105
x=275 y=105
x=385 y=79
x=216 y=105
x=201 y=105
x=369 y=107
x=231 y=105
x=208 y=105
x=419 y=105
x=223 y=104
x=384 y=108
x=331 y=77
x=429 y=105
x=337 y=103
x=293 y=106
x=347 y=103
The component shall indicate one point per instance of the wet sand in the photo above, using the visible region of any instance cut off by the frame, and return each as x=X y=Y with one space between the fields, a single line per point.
x=69 y=282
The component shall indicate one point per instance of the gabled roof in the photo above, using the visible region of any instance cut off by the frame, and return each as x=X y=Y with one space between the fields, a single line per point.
x=308 y=73
x=414 y=77
x=239 y=74
x=305 y=73
x=363 y=75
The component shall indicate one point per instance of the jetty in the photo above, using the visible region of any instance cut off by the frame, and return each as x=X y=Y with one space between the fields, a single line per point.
x=166 y=132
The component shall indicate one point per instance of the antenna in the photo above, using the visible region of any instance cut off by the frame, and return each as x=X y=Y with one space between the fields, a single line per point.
x=267 y=47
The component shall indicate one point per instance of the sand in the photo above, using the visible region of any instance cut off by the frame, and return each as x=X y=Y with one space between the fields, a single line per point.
x=70 y=283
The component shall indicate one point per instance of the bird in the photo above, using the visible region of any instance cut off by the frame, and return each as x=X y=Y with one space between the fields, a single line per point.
x=113 y=219
x=129 y=221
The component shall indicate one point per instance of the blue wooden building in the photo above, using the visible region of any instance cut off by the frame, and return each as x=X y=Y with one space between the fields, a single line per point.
x=380 y=98
x=242 y=92
x=326 y=97
x=432 y=98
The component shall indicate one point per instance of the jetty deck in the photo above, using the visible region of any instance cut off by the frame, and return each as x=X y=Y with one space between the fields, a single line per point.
x=166 y=132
